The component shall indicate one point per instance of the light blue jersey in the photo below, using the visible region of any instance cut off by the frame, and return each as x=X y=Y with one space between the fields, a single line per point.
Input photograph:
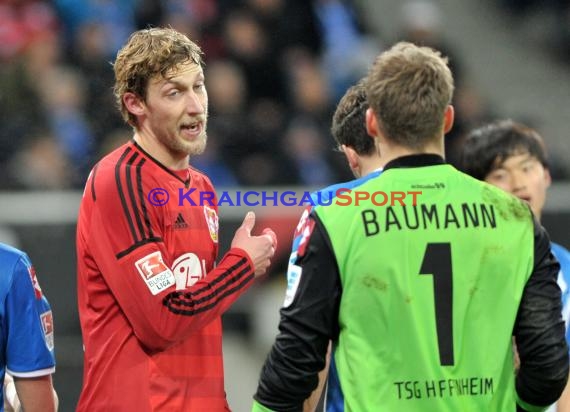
x=26 y=323
x=563 y=256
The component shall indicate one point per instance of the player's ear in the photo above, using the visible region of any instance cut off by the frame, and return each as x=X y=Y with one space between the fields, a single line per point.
x=547 y=177
x=372 y=124
x=448 y=118
x=133 y=103
x=351 y=157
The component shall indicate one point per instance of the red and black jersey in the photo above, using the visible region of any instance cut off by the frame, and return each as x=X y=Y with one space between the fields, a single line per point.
x=150 y=300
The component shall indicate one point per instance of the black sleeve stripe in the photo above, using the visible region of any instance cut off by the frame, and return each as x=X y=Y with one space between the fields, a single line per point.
x=93 y=182
x=142 y=198
x=132 y=198
x=137 y=215
x=187 y=303
x=213 y=292
x=122 y=195
x=223 y=277
x=136 y=245
x=201 y=309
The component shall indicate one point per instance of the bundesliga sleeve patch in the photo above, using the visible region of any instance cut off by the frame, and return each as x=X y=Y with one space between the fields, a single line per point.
x=155 y=273
x=47 y=325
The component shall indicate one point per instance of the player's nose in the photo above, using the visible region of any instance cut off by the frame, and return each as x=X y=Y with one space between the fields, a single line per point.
x=195 y=104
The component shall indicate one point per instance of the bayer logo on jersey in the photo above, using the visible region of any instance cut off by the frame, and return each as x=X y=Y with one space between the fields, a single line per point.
x=188 y=269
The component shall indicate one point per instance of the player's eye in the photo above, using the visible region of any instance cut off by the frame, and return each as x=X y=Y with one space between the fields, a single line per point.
x=528 y=167
x=498 y=176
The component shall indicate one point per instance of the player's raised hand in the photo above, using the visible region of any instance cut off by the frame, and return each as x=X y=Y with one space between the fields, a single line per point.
x=259 y=248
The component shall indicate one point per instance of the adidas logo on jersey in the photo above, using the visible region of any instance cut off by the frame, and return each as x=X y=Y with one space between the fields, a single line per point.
x=180 y=223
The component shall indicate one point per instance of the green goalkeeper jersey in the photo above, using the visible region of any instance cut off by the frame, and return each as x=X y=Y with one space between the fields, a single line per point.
x=435 y=273
x=430 y=292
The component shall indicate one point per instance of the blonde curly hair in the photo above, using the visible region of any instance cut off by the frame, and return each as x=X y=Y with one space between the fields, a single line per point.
x=148 y=53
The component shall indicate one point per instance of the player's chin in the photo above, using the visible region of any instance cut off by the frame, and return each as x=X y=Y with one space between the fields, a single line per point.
x=196 y=147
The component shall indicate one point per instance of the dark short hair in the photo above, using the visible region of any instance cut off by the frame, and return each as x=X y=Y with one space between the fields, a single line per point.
x=349 y=121
x=487 y=147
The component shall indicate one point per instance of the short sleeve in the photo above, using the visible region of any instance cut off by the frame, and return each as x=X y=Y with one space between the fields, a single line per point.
x=29 y=321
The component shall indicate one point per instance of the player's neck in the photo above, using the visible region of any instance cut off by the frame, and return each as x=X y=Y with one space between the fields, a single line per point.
x=370 y=164
x=391 y=151
x=173 y=161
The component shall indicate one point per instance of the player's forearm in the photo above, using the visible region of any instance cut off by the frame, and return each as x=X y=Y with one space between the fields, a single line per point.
x=308 y=323
x=211 y=296
x=563 y=404
x=291 y=372
x=311 y=403
x=544 y=361
x=288 y=378
x=188 y=310
x=539 y=331
x=36 y=394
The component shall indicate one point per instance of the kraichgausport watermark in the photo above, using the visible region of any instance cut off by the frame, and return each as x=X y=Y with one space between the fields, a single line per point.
x=341 y=197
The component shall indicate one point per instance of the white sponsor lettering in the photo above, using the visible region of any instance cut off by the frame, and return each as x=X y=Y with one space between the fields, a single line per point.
x=188 y=269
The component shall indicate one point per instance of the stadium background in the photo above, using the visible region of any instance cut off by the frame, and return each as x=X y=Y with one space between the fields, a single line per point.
x=271 y=96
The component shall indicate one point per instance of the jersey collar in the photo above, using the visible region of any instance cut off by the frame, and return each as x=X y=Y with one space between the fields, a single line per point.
x=183 y=176
x=415 y=160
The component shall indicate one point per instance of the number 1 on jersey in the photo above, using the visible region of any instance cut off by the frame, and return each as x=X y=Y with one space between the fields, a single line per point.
x=437 y=262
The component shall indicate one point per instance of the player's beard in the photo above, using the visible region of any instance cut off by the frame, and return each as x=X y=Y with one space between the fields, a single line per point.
x=194 y=147
x=199 y=146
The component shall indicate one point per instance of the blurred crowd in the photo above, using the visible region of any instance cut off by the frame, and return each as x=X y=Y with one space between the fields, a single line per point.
x=275 y=70
x=558 y=33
